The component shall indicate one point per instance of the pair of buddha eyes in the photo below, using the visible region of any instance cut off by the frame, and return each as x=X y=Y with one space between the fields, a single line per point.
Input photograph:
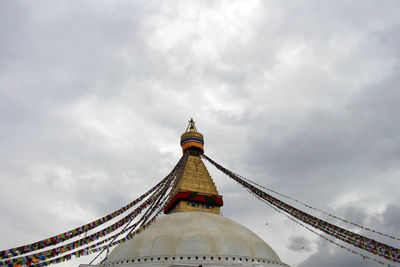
x=194 y=204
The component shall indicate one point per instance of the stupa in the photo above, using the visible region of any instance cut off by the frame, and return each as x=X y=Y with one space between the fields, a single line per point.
x=193 y=232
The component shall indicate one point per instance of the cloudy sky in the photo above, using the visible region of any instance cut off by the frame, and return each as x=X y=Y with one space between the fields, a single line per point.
x=301 y=96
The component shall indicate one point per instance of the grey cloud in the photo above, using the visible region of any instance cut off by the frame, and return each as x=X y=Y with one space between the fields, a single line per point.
x=299 y=243
x=328 y=256
x=391 y=218
x=15 y=36
x=389 y=221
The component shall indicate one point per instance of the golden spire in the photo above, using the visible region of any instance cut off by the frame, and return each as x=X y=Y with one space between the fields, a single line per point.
x=194 y=190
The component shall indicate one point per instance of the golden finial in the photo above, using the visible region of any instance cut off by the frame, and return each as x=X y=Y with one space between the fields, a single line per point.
x=191 y=126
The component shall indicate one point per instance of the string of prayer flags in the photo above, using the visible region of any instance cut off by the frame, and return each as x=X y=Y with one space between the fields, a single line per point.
x=313 y=208
x=15 y=257
x=88 y=239
x=18 y=251
x=370 y=245
x=365 y=257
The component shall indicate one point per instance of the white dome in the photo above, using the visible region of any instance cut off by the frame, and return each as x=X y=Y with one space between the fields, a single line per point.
x=194 y=236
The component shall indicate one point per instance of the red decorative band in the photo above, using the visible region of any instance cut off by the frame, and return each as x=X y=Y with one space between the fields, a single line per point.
x=209 y=199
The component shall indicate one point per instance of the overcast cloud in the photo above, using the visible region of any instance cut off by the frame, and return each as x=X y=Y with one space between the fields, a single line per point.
x=301 y=96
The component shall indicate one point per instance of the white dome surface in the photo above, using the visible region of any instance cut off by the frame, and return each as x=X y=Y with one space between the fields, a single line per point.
x=194 y=234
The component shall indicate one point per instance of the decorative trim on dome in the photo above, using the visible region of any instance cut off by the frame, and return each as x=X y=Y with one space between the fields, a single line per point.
x=196 y=260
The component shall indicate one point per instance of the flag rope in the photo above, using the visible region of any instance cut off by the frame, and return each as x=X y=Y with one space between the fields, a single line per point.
x=320 y=235
x=95 y=248
x=86 y=240
x=51 y=241
x=320 y=210
x=143 y=220
x=370 y=245
x=47 y=257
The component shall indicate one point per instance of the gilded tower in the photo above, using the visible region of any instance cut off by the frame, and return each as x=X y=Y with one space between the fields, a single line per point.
x=194 y=190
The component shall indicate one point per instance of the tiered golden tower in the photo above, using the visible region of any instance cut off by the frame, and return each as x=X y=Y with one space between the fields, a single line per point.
x=194 y=190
